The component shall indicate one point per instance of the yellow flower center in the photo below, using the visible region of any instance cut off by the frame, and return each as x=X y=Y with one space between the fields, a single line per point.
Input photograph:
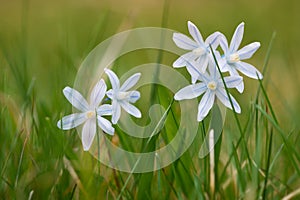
x=122 y=95
x=199 y=51
x=90 y=114
x=212 y=85
x=234 y=57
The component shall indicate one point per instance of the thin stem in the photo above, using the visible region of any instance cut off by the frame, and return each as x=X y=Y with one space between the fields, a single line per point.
x=231 y=104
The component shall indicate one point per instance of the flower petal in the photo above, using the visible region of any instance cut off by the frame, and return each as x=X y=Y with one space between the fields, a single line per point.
x=234 y=72
x=88 y=133
x=237 y=38
x=205 y=105
x=105 y=125
x=202 y=63
x=247 y=51
x=116 y=112
x=71 y=121
x=224 y=67
x=110 y=94
x=76 y=99
x=213 y=40
x=190 y=91
x=206 y=78
x=223 y=97
x=98 y=93
x=240 y=87
x=184 y=42
x=130 y=82
x=195 y=33
x=134 y=96
x=131 y=109
x=248 y=70
x=223 y=43
x=181 y=61
x=213 y=71
x=232 y=81
x=193 y=70
x=217 y=55
x=105 y=110
x=114 y=80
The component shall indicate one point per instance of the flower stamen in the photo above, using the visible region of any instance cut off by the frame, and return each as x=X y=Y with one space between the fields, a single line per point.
x=90 y=114
x=212 y=85
x=234 y=58
x=122 y=95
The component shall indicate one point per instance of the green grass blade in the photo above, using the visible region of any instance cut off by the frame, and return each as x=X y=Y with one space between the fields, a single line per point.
x=268 y=165
x=288 y=145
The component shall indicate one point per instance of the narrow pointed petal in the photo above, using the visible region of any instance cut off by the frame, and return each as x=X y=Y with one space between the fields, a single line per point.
x=105 y=110
x=205 y=105
x=213 y=40
x=223 y=43
x=130 y=82
x=224 y=67
x=193 y=71
x=98 y=93
x=217 y=55
x=71 y=121
x=184 y=42
x=131 y=109
x=240 y=87
x=247 y=51
x=232 y=81
x=76 y=99
x=116 y=112
x=204 y=77
x=223 y=97
x=195 y=33
x=88 y=133
x=234 y=72
x=248 y=70
x=213 y=71
x=110 y=94
x=237 y=38
x=114 y=80
x=190 y=91
x=134 y=96
x=105 y=125
x=181 y=61
x=202 y=63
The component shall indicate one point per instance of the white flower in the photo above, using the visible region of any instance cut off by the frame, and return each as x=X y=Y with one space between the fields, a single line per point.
x=211 y=86
x=88 y=114
x=121 y=97
x=199 y=50
x=232 y=59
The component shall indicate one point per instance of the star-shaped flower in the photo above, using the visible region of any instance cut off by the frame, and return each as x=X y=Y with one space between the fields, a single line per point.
x=232 y=59
x=121 y=97
x=199 y=50
x=211 y=85
x=89 y=113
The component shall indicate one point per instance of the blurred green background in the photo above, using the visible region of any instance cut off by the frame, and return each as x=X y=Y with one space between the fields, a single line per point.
x=43 y=43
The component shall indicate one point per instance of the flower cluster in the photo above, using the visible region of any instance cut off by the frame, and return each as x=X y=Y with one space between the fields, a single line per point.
x=201 y=65
x=204 y=62
x=91 y=114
